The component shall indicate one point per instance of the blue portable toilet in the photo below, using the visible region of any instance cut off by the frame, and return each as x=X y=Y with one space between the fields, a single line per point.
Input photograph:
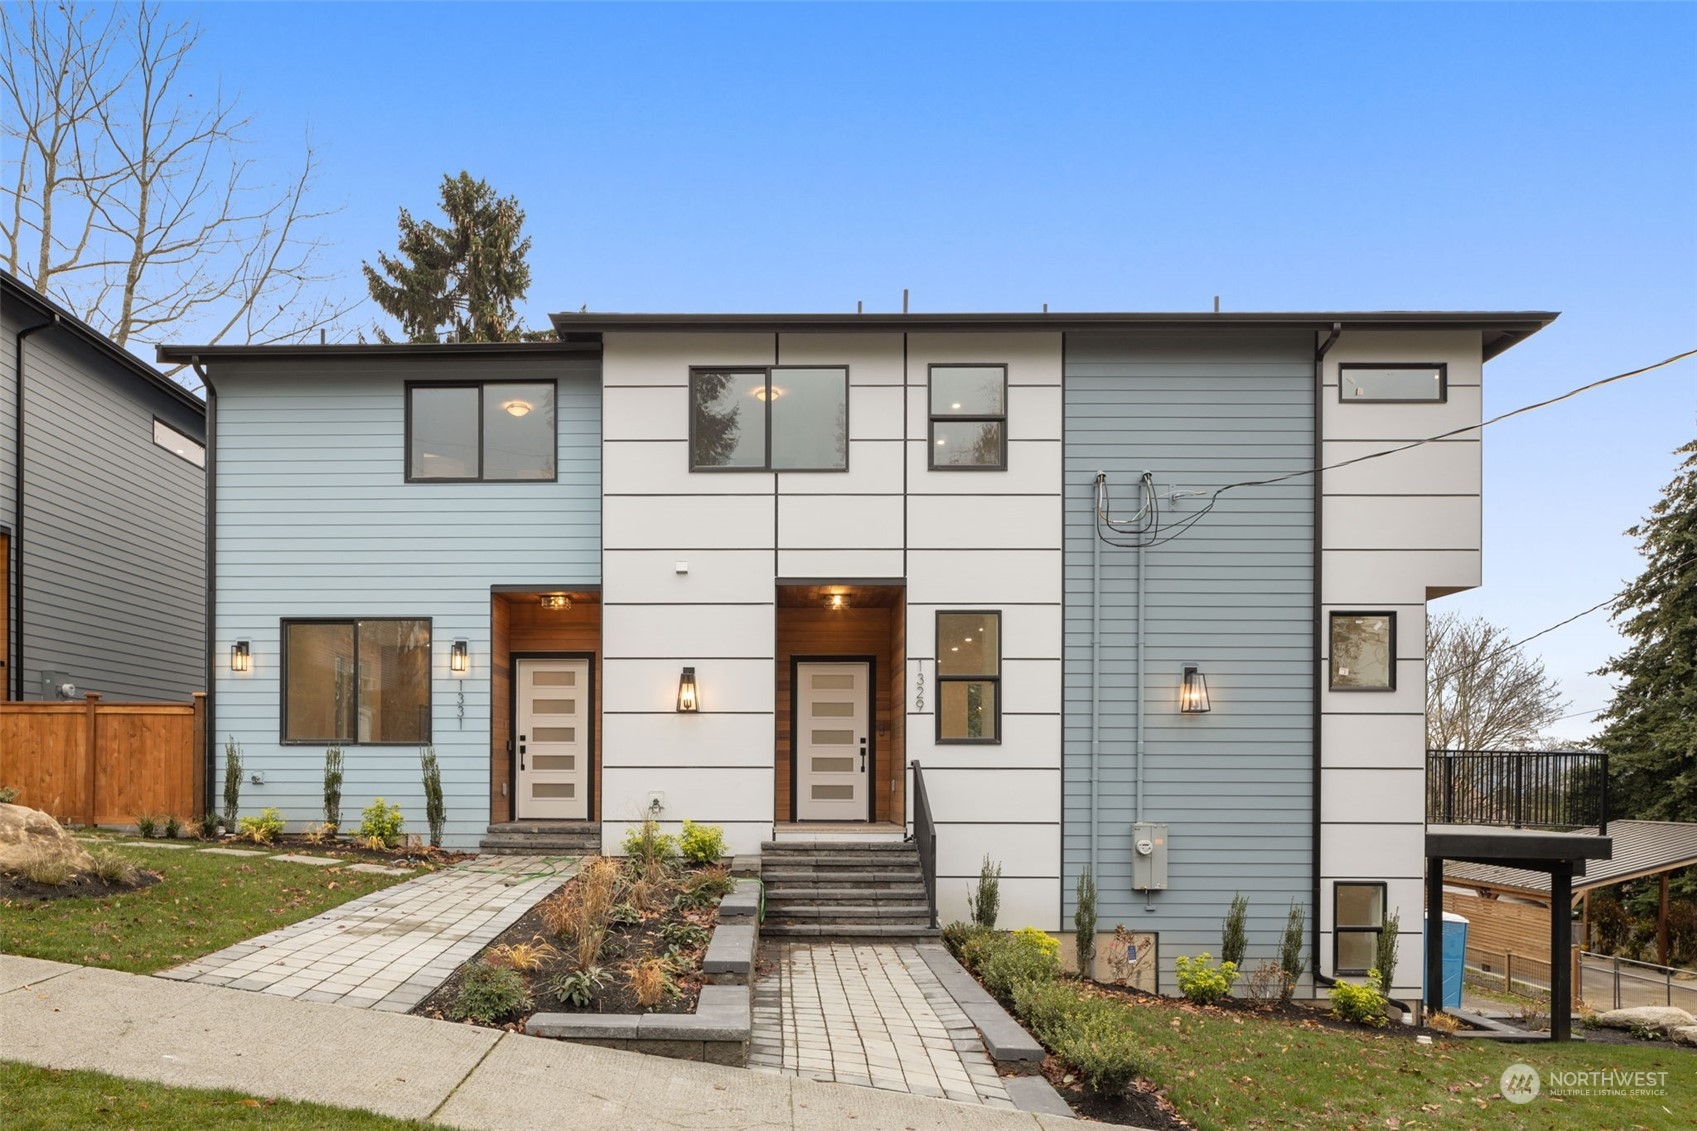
x=1455 y=958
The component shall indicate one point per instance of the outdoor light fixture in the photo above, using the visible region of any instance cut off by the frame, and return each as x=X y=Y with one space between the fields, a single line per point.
x=517 y=407
x=556 y=602
x=686 y=691
x=1193 y=693
x=459 y=657
x=837 y=601
x=240 y=658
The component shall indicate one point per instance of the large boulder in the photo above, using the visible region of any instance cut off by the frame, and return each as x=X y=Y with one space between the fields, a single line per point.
x=1685 y=1035
x=27 y=834
x=1661 y=1018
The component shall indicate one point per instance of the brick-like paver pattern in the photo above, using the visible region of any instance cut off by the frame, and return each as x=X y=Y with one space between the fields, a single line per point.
x=867 y=1014
x=389 y=949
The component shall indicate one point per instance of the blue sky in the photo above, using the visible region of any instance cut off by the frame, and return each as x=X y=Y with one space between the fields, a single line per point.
x=1130 y=157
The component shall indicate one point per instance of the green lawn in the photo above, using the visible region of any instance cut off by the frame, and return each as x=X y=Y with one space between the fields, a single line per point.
x=1225 y=1071
x=46 y=1099
x=203 y=904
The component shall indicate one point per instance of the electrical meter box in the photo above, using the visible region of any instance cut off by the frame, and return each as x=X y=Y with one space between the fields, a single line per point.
x=1149 y=857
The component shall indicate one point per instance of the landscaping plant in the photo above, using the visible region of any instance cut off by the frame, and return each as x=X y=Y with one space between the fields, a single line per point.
x=8 y=795
x=649 y=847
x=48 y=871
x=683 y=935
x=526 y=957
x=580 y=986
x=702 y=844
x=1384 y=951
x=1290 y=948
x=1234 y=937
x=333 y=788
x=1102 y=1050
x=263 y=829
x=173 y=826
x=489 y=994
x=435 y=808
x=1362 y=1004
x=380 y=824
x=652 y=982
x=986 y=903
x=114 y=867
x=232 y=781
x=208 y=826
x=147 y=825
x=1084 y=924
x=1042 y=940
x=1200 y=981
x=1013 y=960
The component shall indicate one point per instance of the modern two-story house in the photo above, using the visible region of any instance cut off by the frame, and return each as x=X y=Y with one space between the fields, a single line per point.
x=749 y=569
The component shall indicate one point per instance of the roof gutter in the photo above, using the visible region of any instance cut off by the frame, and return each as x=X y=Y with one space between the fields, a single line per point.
x=1315 y=760
x=17 y=633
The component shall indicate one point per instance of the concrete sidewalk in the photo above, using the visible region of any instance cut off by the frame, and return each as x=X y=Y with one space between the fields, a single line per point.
x=193 y=1035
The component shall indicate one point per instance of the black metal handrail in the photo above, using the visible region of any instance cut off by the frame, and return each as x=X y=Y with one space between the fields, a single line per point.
x=1540 y=789
x=925 y=839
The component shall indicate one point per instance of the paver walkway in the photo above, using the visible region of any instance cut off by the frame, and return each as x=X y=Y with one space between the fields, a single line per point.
x=867 y=1014
x=390 y=949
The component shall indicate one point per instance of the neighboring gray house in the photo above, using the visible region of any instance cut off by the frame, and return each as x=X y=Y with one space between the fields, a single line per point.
x=102 y=513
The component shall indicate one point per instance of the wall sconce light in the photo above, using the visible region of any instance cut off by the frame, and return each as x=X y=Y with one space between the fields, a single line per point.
x=686 y=692
x=837 y=601
x=1193 y=693
x=556 y=602
x=459 y=657
x=240 y=657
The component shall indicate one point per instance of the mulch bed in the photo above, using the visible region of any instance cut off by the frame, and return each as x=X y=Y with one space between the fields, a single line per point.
x=1315 y=1015
x=83 y=885
x=351 y=851
x=1140 y=1105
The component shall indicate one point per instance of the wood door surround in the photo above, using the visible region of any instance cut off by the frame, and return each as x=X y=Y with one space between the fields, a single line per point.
x=519 y=625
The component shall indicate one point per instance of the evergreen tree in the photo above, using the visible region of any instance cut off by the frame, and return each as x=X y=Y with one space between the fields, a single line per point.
x=1651 y=727
x=457 y=282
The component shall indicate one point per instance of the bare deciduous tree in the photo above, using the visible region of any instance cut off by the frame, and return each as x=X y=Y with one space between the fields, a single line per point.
x=131 y=203
x=1482 y=691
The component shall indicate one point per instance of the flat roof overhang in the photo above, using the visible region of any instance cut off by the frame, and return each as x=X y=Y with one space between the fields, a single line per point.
x=1535 y=849
x=183 y=354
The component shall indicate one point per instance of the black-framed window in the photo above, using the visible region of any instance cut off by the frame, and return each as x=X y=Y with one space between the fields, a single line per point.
x=481 y=432
x=1393 y=382
x=1362 y=651
x=356 y=680
x=1358 y=918
x=969 y=417
x=969 y=676
x=179 y=443
x=769 y=418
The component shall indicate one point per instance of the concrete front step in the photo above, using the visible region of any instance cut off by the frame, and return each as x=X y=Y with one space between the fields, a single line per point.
x=846 y=912
x=884 y=932
x=839 y=863
x=542 y=838
x=810 y=877
x=832 y=847
x=845 y=893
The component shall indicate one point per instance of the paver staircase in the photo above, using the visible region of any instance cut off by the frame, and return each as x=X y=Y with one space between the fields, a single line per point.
x=844 y=889
x=542 y=838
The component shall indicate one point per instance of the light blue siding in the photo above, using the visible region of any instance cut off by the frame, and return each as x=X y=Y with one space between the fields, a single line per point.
x=315 y=519
x=1233 y=594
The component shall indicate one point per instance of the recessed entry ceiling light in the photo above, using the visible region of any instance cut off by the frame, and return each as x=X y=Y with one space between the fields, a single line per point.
x=956 y=405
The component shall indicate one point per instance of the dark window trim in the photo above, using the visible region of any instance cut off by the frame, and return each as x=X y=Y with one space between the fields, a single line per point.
x=1339 y=931
x=153 y=434
x=940 y=678
x=283 y=625
x=931 y=416
x=513 y=659
x=766 y=467
x=406 y=431
x=1331 y=619
x=871 y=663
x=1443 y=381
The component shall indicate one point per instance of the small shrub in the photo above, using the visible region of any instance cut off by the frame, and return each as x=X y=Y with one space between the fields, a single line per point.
x=1646 y=1033
x=1045 y=1007
x=526 y=957
x=232 y=781
x=1084 y=924
x=1122 y=958
x=48 y=871
x=1234 y=937
x=684 y=935
x=986 y=903
x=209 y=827
x=624 y=914
x=1361 y=1004
x=979 y=946
x=8 y=795
x=1268 y=983
x=1042 y=940
x=435 y=807
x=1384 y=951
x=956 y=934
x=489 y=994
x=1102 y=1048
x=715 y=879
x=115 y=868
x=648 y=846
x=1017 y=961
x=580 y=986
x=582 y=910
x=263 y=829
x=652 y=982
x=1442 y=1022
x=1200 y=981
x=173 y=826
x=702 y=844
x=1290 y=947
x=380 y=823
x=333 y=787
x=1530 y=1012
x=147 y=825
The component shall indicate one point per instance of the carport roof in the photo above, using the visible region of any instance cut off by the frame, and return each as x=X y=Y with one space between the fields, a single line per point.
x=1641 y=848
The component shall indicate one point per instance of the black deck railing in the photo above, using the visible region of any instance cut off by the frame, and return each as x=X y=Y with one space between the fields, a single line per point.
x=1538 y=789
x=925 y=839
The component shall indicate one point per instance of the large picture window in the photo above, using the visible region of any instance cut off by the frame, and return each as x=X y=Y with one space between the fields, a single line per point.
x=486 y=432
x=356 y=681
x=969 y=417
x=1358 y=914
x=969 y=677
x=778 y=418
x=1363 y=652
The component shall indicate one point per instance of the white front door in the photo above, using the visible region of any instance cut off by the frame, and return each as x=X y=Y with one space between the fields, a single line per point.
x=832 y=729
x=551 y=729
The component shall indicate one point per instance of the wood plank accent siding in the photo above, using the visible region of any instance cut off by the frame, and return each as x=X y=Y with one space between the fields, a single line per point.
x=845 y=632
x=520 y=624
x=104 y=763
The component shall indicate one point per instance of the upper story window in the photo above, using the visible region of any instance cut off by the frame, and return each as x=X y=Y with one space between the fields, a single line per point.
x=1363 y=652
x=773 y=418
x=969 y=417
x=172 y=440
x=1407 y=382
x=356 y=681
x=481 y=432
x=969 y=677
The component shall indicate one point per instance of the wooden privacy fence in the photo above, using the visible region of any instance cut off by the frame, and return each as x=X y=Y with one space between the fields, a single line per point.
x=95 y=763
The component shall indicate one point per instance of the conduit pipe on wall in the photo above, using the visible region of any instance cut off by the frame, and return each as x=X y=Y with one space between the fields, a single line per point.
x=17 y=634
x=211 y=587
x=1320 y=353
x=1095 y=658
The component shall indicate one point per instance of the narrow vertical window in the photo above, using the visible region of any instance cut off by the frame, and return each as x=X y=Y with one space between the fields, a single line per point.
x=969 y=418
x=969 y=677
x=1358 y=914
